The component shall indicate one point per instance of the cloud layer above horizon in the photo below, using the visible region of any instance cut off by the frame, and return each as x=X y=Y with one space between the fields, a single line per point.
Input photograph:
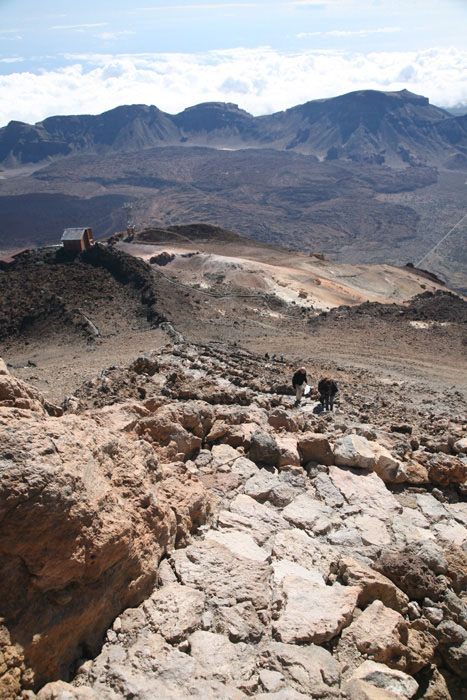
x=261 y=80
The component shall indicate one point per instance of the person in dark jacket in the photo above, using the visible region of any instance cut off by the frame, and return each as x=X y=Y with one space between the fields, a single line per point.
x=299 y=382
x=327 y=388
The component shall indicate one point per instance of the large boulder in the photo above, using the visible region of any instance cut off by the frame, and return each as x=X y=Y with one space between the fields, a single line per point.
x=373 y=585
x=312 y=613
x=410 y=573
x=264 y=449
x=354 y=451
x=315 y=447
x=84 y=523
x=391 y=680
x=391 y=470
x=381 y=632
x=446 y=469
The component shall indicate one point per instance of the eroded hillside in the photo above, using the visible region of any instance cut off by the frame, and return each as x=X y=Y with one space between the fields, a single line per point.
x=183 y=531
x=172 y=526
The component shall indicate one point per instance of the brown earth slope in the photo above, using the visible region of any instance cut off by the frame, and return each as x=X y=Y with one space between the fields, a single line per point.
x=63 y=321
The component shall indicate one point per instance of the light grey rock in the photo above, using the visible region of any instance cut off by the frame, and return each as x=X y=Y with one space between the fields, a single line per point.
x=414 y=610
x=295 y=545
x=245 y=468
x=313 y=613
x=366 y=490
x=411 y=526
x=59 y=690
x=460 y=445
x=219 y=658
x=213 y=569
x=431 y=508
x=240 y=623
x=372 y=530
x=261 y=484
x=434 y=615
x=271 y=680
x=261 y=516
x=226 y=520
x=449 y=632
x=308 y=669
x=174 y=611
x=223 y=457
x=284 y=493
x=451 y=532
x=327 y=492
x=390 y=679
x=390 y=470
x=147 y=668
x=239 y=543
x=347 y=538
x=310 y=514
x=458 y=511
x=285 y=567
x=284 y=694
x=165 y=573
x=354 y=451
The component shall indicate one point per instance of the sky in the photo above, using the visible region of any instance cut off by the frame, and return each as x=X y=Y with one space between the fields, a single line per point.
x=85 y=57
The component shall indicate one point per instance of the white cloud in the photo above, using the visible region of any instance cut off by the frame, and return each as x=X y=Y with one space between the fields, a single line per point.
x=353 y=32
x=80 y=26
x=199 y=6
x=259 y=80
x=108 y=36
x=304 y=3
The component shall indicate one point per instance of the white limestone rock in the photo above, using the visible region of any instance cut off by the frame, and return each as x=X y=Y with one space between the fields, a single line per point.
x=308 y=669
x=312 y=613
x=310 y=514
x=215 y=570
x=240 y=622
x=239 y=543
x=261 y=516
x=297 y=546
x=366 y=490
x=174 y=611
x=221 y=659
x=285 y=567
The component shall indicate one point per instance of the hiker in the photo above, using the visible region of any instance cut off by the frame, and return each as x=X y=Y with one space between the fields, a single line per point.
x=299 y=382
x=282 y=357
x=327 y=388
x=266 y=356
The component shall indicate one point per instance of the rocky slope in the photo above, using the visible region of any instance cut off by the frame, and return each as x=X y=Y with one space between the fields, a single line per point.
x=63 y=320
x=222 y=544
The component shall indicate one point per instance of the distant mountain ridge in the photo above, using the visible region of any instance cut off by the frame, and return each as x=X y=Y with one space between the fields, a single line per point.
x=364 y=126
